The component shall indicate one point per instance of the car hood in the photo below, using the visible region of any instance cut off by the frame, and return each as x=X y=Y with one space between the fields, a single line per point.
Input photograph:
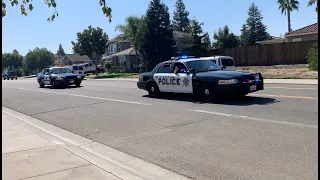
x=224 y=74
x=65 y=74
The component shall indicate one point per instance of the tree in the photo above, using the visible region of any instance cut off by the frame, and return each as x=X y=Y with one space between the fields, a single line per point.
x=26 y=5
x=224 y=39
x=37 y=59
x=312 y=2
x=12 y=60
x=257 y=31
x=60 y=51
x=181 y=21
x=286 y=6
x=158 y=41
x=91 y=42
x=198 y=42
x=133 y=30
x=244 y=35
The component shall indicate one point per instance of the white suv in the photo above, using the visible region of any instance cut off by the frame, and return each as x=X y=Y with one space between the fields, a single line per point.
x=224 y=62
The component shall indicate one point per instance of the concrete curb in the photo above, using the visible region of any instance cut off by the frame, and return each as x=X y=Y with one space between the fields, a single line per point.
x=120 y=164
x=266 y=81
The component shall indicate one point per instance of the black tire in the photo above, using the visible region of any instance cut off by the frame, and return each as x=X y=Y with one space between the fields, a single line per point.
x=53 y=84
x=206 y=92
x=153 y=89
x=77 y=84
x=11 y=78
x=41 y=85
x=16 y=78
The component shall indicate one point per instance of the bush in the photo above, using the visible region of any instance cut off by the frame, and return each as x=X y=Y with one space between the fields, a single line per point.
x=312 y=57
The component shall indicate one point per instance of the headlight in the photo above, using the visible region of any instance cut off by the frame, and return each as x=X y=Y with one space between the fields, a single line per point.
x=79 y=77
x=60 y=78
x=229 y=81
x=140 y=78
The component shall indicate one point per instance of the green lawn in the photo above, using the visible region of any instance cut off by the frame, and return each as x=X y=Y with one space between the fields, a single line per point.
x=113 y=75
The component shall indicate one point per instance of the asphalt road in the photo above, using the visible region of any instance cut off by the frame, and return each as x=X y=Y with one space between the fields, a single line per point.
x=272 y=134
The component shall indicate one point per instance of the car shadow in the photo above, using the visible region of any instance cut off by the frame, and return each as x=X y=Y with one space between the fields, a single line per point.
x=68 y=87
x=233 y=101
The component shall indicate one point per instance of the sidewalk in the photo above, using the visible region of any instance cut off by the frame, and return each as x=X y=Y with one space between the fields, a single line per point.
x=27 y=155
x=35 y=150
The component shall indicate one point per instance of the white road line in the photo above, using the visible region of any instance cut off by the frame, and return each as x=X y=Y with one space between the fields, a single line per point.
x=282 y=96
x=256 y=119
x=291 y=88
x=77 y=95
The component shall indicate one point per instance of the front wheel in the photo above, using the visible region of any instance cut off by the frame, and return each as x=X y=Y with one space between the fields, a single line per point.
x=54 y=85
x=206 y=92
x=153 y=90
x=77 y=84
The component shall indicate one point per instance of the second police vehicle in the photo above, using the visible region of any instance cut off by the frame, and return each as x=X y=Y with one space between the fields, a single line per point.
x=200 y=77
x=58 y=77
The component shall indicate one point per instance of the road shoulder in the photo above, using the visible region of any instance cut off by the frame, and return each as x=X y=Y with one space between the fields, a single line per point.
x=28 y=141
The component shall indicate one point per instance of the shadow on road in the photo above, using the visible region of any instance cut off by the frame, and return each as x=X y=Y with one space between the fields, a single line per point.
x=233 y=101
x=68 y=87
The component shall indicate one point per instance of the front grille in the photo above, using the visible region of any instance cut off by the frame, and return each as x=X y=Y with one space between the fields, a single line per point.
x=71 y=77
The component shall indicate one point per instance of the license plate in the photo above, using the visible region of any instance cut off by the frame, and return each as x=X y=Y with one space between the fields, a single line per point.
x=253 y=87
x=71 y=81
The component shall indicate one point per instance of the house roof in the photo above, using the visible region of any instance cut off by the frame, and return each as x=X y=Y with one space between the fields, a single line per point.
x=311 y=29
x=118 y=39
x=77 y=57
x=129 y=51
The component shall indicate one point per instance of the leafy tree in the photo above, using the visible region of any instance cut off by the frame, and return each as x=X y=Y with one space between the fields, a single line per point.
x=26 y=5
x=133 y=30
x=312 y=57
x=12 y=60
x=158 y=41
x=60 y=51
x=225 y=39
x=286 y=6
x=257 y=31
x=91 y=42
x=37 y=59
x=198 y=42
x=181 y=21
x=244 y=35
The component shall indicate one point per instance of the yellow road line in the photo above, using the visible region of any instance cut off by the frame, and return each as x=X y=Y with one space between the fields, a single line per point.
x=284 y=96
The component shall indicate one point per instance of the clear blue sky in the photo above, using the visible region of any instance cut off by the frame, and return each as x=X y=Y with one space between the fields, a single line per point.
x=25 y=33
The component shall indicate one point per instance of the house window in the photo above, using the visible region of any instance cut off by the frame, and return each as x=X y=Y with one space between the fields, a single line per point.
x=297 y=40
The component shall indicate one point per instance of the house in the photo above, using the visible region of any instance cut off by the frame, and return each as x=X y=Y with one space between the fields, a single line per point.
x=70 y=59
x=273 y=40
x=307 y=33
x=120 y=52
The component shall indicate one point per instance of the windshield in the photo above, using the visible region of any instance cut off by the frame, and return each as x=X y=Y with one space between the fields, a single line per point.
x=227 y=62
x=202 y=65
x=60 y=70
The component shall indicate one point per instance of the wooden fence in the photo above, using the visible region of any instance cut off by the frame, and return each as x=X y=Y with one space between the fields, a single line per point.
x=271 y=54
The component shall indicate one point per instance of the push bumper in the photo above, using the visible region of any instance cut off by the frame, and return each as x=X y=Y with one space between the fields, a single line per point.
x=142 y=85
x=240 y=88
x=67 y=82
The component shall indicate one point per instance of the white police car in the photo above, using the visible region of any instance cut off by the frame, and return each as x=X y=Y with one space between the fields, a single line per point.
x=199 y=77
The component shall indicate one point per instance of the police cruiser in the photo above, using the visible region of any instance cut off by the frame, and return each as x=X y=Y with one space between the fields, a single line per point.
x=58 y=77
x=200 y=77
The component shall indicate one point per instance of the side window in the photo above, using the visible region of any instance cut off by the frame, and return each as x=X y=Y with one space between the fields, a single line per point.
x=75 y=67
x=179 y=68
x=46 y=71
x=165 y=68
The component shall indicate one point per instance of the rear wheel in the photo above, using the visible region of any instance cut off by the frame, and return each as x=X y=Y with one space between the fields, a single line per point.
x=153 y=89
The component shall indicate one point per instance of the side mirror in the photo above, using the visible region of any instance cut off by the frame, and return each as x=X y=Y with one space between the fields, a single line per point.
x=192 y=71
x=223 y=67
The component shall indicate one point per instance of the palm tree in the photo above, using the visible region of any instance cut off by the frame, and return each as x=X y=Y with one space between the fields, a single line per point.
x=133 y=30
x=286 y=6
x=312 y=2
